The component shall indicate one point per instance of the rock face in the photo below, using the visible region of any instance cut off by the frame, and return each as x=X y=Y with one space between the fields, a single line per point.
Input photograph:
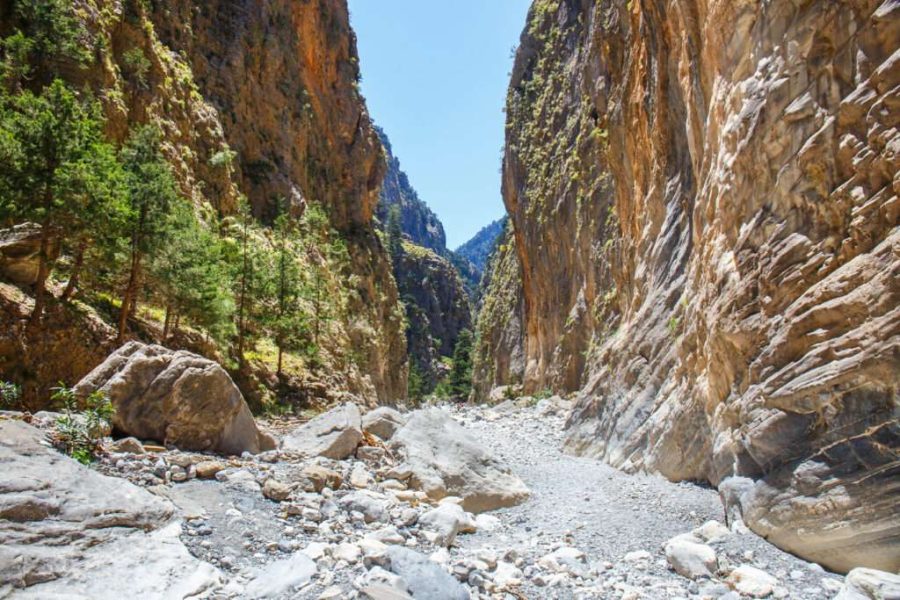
x=445 y=460
x=437 y=308
x=20 y=249
x=334 y=434
x=479 y=249
x=176 y=398
x=67 y=531
x=416 y=220
x=706 y=243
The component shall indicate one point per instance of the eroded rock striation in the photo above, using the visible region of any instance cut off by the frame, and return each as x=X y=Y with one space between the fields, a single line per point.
x=704 y=212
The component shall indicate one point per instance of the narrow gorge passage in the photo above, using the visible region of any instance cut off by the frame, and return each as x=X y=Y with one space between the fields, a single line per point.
x=277 y=322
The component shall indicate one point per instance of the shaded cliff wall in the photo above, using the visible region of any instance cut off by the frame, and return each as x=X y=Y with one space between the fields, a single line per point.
x=261 y=99
x=704 y=201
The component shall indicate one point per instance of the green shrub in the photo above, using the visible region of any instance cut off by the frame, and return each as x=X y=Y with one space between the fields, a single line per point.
x=10 y=394
x=80 y=433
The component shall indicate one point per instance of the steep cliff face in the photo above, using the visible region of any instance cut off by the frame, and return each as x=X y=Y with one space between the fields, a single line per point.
x=704 y=204
x=261 y=99
x=437 y=309
x=471 y=259
x=417 y=221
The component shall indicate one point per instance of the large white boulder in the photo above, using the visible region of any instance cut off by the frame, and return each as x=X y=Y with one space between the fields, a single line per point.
x=445 y=460
x=177 y=398
x=109 y=527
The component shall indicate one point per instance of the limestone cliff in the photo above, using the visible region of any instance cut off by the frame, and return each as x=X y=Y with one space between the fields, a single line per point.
x=437 y=309
x=704 y=203
x=260 y=99
x=417 y=221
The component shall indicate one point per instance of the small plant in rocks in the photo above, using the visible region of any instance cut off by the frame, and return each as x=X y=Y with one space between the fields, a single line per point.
x=10 y=394
x=79 y=433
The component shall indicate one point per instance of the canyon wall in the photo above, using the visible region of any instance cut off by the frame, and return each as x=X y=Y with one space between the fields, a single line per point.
x=704 y=204
x=262 y=100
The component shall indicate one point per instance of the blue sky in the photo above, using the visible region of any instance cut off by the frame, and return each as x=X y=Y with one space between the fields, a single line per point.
x=434 y=75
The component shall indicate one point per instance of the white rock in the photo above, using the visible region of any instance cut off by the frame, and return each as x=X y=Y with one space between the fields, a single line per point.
x=691 y=560
x=446 y=521
x=752 y=582
x=374 y=552
x=507 y=574
x=712 y=531
x=487 y=523
x=870 y=584
x=360 y=477
x=334 y=434
x=347 y=552
x=281 y=577
x=316 y=550
x=636 y=556
x=564 y=560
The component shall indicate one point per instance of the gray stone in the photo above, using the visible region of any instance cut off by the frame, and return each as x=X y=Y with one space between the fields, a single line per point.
x=424 y=578
x=334 y=434
x=383 y=422
x=445 y=460
x=109 y=525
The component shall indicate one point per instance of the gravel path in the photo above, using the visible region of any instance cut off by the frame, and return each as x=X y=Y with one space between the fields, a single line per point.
x=608 y=514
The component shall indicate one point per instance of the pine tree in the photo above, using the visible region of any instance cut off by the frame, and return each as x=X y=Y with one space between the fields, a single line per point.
x=460 y=379
x=56 y=170
x=151 y=193
x=394 y=234
x=190 y=276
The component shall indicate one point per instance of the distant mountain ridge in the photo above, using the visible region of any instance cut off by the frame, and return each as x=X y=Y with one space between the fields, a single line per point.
x=478 y=249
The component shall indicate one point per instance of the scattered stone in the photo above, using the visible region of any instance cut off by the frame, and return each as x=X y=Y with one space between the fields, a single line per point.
x=334 y=434
x=208 y=469
x=360 y=477
x=424 y=579
x=276 y=490
x=129 y=445
x=281 y=577
x=445 y=522
x=373 y=509
x=752 y=582
x=690 y=559
x=322 y=477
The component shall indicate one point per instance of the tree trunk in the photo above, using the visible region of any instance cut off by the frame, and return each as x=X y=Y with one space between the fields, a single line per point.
x=76 y=271
x=128 y=298
x=243 y=300
x=280 y=356
x=167 y=322
x=40 y=286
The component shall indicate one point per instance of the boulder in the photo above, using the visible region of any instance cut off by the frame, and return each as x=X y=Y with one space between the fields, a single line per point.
x=334 y=434
x=690 y=559
x=383 y=422
x=424 y=578
x=108 y=525
x=372 y=508
x=752 y=582
x=128 y=445
x=445 y=522
x=176 y=397
x=446 y=460
x=20 y=251
x=321 y=477
x=870 y=584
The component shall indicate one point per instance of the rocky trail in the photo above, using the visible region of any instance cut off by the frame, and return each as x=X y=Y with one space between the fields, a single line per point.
x=377 y=521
